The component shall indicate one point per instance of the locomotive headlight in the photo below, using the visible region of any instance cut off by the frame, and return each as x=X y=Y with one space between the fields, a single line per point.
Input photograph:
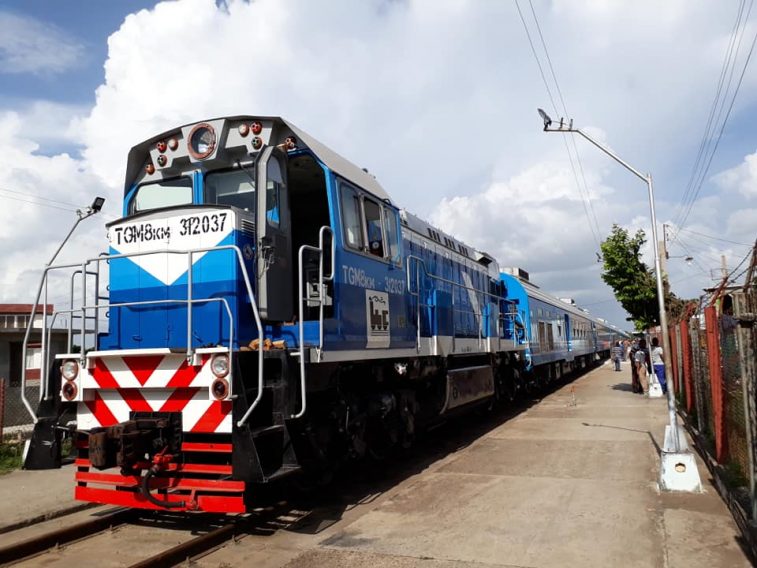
x=69 y=391
x=220 y=389
x=220 y=365
x=202 y=141
x=69 y=369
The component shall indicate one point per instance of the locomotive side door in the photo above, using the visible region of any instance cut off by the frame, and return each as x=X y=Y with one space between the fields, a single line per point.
x=274 y=270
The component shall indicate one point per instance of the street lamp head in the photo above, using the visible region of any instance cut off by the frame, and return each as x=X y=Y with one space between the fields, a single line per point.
x=97 y=204
x=545 y=117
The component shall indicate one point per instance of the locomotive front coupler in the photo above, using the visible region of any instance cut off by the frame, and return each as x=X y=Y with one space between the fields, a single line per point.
x=132 y=445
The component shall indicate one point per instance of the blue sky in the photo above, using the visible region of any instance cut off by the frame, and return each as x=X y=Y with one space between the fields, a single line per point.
x=436 y=97
x=86 y=24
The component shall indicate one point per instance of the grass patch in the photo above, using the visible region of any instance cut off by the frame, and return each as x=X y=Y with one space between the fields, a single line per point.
x=10 y=456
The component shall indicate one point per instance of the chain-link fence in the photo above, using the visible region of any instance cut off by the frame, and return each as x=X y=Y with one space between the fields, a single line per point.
x=15 y=417
x=716 y=361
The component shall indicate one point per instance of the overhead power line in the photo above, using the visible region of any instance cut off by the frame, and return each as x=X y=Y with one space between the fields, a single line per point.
x=715 y=238
x=702 y=177
x=706 y=135
x=40 y=203
x=583 y=191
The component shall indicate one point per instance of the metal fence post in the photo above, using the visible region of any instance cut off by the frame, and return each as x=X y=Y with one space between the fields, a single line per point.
x=716 y=382
x=673 y=381
x=686 y=365
x=698 y=371
x=2 y=406
x=744 y=308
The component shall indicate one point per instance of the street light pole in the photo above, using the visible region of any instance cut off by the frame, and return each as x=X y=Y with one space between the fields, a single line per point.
x=673 y=445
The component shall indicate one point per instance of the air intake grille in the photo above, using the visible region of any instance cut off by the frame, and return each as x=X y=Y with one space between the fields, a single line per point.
x=248 y=227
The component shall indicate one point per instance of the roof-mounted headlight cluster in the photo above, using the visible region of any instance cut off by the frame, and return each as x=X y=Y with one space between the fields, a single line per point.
x=255 y=128
x=162 y=147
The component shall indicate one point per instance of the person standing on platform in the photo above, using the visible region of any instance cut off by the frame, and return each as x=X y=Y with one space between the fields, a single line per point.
x=635 y=385
x=658 y=364
x=641 y=361
x=617 y=354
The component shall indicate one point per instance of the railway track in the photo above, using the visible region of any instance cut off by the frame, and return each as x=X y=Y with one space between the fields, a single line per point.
x=62 y=541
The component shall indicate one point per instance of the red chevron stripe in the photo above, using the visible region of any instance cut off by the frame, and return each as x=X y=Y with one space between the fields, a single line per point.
x=101 y=411
x=184 y=375
x=213 y=416
x=135 y=400
x=143 y=366
x=178 y=400
x=103 y=376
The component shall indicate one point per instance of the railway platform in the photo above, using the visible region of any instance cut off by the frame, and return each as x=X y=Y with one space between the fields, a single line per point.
x=27 y=497
x=571 y=481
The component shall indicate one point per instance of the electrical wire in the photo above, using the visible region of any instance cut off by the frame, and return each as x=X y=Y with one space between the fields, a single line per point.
x=37 y=196
x=565 y=110
x=722 y=128
x=715 y=238
x=41 y=204
x=584 y=199
x=727 y=59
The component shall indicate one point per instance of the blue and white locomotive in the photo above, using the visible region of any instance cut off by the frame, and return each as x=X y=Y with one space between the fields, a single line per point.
x=271 y=311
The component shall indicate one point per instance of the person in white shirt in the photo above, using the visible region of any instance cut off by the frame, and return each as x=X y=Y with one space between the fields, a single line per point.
x=658 y=364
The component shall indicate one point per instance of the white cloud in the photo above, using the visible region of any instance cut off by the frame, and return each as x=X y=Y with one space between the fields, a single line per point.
x=438 y=99
x=38 y=197
x=742 y=178
x=31 y=46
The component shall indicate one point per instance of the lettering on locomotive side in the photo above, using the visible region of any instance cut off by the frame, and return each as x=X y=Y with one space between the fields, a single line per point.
x=357 y=277
x=198 y=224
x=143 y=232
x=161 y=231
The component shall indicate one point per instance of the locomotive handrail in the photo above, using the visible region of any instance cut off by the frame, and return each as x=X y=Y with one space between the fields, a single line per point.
x=321 y=300
x=420 y=263
x=189 y=301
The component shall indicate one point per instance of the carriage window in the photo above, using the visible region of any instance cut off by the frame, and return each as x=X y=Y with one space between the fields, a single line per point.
x=234 y=187
x=166 y=193
x=373 y=227
x=390 y=230
x=353 y=234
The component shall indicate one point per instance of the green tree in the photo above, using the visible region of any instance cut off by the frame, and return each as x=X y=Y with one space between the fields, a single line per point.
x=632 y=281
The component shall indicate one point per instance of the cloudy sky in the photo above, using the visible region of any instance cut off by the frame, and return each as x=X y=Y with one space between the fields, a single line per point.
x=437 y=98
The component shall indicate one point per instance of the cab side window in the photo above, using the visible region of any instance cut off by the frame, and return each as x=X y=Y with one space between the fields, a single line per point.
x=353 y=233
x=273 y=192
x=392 y=238
x=373 y=224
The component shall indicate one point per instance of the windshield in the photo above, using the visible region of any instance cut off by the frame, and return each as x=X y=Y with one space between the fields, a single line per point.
x=233 y=187
x=166 y=193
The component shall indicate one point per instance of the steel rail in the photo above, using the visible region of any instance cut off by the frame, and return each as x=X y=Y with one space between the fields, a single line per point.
x=39 y=544
x=191 y=548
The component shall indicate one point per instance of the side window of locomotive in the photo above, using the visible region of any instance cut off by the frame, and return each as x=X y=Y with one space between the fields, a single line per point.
x=231 y=187
x=353 y=234
x=165 y=193
x=372 y=212
x=274 y=183
x=392 y=239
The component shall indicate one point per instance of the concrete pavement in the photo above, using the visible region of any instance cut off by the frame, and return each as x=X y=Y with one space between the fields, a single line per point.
x=570 y=482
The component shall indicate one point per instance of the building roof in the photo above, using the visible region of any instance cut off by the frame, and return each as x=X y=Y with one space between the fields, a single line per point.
x=23 y=309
